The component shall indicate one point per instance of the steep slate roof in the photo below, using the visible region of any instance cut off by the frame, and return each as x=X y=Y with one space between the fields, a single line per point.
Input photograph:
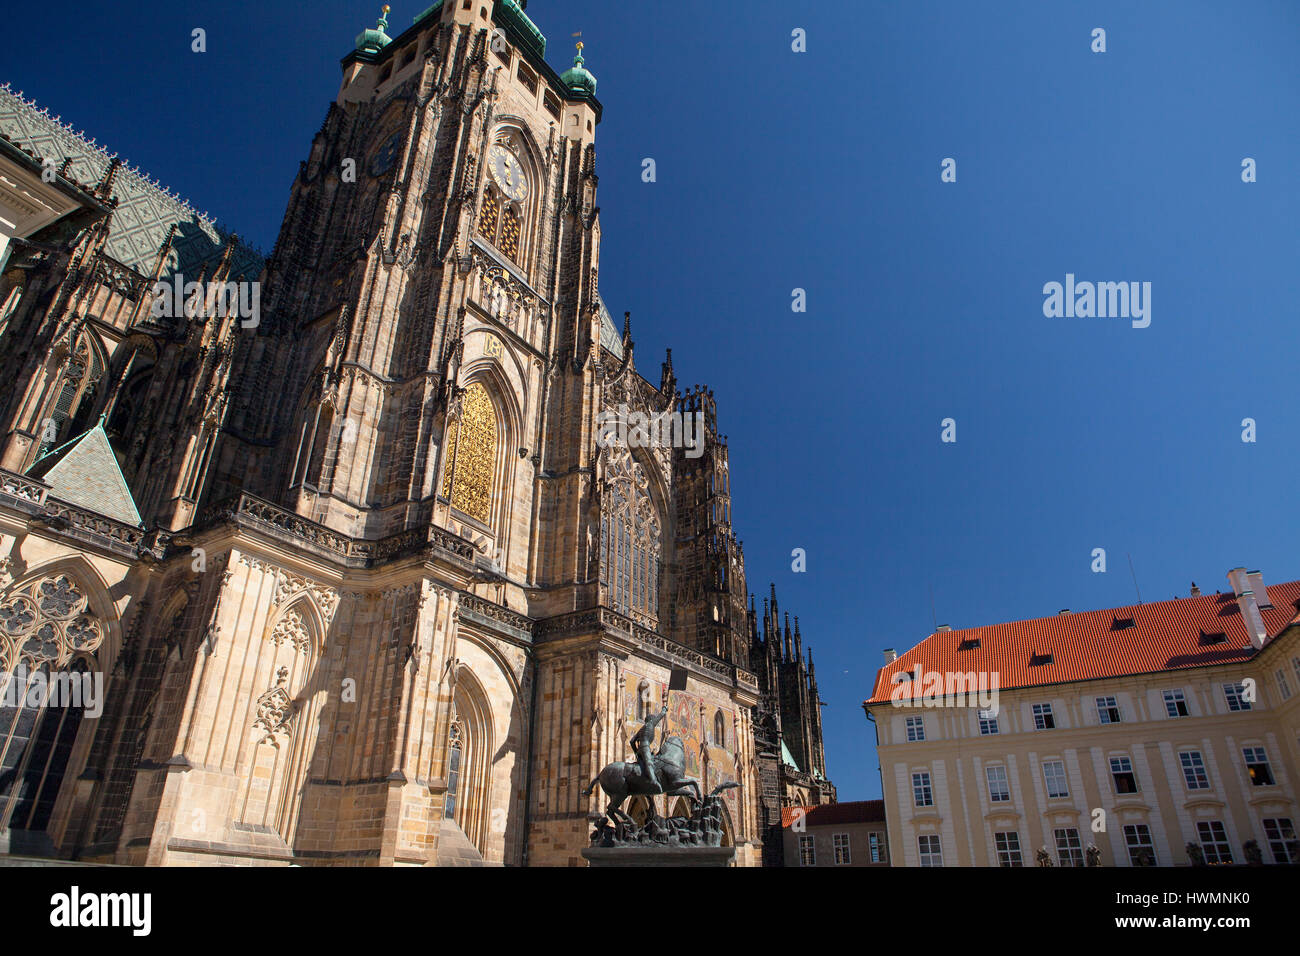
x=787 y=757
x=831 y=814
x=145 y=210
x=610 y=337
x=1166 y=635
x=84 y=472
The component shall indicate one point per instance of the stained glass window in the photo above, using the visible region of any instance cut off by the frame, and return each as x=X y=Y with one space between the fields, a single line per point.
x=471 y=454
x=631 y=546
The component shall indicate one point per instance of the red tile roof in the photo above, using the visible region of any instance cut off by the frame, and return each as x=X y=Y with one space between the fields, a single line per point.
x=855 y=811
x=1167 y=635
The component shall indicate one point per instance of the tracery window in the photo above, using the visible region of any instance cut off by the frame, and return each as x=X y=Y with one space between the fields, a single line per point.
x=46 y=622
x=500 y=224
x=453 y=772
x=507 y=194
x=47 y=642
x=470 y=455
x=82 y=371
x=630 y=541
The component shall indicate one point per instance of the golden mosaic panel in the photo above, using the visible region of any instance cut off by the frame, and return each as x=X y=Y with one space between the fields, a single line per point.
x=471 y=455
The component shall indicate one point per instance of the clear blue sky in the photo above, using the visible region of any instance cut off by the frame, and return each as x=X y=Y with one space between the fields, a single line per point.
x=821 y=171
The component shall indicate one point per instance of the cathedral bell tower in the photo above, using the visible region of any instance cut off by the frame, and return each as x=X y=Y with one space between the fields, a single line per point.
x=431 y=290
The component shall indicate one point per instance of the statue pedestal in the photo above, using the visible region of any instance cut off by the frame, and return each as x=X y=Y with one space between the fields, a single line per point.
x=659 y=855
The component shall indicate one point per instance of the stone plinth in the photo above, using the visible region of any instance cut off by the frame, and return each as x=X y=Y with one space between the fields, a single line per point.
x=659 y=855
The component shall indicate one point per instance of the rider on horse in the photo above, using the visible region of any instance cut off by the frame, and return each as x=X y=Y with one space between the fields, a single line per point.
x=643 y=743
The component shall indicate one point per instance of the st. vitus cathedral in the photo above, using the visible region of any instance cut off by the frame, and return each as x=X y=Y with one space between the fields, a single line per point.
x=327 y=541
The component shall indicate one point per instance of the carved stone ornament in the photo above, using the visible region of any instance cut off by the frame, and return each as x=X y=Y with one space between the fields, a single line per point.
x=275 y=711
x=47 y=621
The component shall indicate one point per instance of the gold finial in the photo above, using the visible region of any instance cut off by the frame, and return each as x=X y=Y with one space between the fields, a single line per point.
x=579 y=45
x=386 y=8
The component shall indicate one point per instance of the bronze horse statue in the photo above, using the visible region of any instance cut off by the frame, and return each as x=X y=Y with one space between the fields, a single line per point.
x=622 y=779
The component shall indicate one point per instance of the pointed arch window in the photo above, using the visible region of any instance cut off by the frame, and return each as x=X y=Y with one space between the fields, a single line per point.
x=47 y=642
x=470 y=455
x=453 y=772
x=719 y=730
x=507 y=195
x=501 y=223
x=82 y=371
x=630 y=541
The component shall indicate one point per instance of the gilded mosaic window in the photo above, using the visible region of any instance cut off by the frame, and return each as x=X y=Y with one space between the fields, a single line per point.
x=489 y=214
x=471 y=454
x=509 y=241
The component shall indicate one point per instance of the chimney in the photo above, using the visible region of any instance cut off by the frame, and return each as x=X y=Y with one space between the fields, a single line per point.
x=1254 y=620
x=1196 y=592
x=942 y=629
x=1237 y=577
x=890 y=656
x=1255 y=581
x=1062 y=612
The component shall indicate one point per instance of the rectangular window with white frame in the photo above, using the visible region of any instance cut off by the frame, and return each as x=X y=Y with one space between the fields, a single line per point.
x=1141 y=851
x=1214 y=841
x=1235 y=695
x=1054 y=777
x=1121 y=771
x=922 y=795
x=1281 y=840
x=1194 y=774
x=1283 y=686
x=1175 y=703
x=999 y=788
x=877 y=843
x=1044 y=719
x=1257 y=768
x=1008 y=848
x=988 y=723
x=915 y=729
x=930 y=849
x=1069 y=848
x=1107 y=710
x=807 y=851
x=840 y=841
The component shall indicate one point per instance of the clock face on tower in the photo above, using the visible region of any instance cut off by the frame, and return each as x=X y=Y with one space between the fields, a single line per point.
x=508 y=173
x=382 y=161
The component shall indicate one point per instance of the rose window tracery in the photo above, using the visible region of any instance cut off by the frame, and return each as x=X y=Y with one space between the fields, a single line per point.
x=47 y=621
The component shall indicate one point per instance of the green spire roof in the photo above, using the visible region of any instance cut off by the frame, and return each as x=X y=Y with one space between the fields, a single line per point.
x=372 y=41
x=579 y=79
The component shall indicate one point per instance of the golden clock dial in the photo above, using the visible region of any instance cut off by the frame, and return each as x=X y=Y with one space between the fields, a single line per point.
x=508 y=173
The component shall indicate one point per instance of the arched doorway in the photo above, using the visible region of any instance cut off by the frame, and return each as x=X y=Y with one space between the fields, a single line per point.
x=470 y=746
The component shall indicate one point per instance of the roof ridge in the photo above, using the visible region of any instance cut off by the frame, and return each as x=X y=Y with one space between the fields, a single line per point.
x=102 y=153
x=1104 y=610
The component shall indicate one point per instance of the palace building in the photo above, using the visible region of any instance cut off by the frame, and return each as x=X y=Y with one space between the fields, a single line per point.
x=1162 y=734
x=363 y=586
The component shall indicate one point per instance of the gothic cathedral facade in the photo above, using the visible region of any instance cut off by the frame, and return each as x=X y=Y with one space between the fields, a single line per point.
x=362 y=584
